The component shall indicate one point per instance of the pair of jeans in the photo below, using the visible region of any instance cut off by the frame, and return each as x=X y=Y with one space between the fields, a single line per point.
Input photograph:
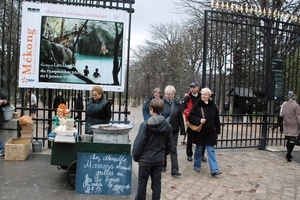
x=173 y=155
x=155 y=173
x=212 y=160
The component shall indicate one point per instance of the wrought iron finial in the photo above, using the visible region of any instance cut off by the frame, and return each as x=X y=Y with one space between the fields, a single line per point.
x=217 y=5
x=242 y=8
x=212 y=4
x=251 y=10
x=260 y=12
x=237 y=8
x=274 y=14
x=246 y=9
x=232 y=6
x=269 y=13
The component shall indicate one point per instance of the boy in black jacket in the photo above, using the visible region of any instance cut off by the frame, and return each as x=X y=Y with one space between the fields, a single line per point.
x=152 y=143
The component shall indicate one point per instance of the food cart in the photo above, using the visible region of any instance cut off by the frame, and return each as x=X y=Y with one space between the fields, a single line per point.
x=108 y=139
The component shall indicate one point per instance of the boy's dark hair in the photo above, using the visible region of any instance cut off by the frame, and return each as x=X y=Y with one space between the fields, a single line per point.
x=157 y=105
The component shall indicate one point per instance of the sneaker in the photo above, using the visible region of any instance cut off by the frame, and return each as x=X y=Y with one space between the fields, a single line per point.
x=216 y=174
x=204 y=159
x=176 y=174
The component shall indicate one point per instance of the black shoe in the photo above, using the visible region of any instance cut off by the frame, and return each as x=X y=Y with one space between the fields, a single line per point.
x=288 y=158
x=204 y=159
x=190 y=158
x=216 y=173
x=176 y=174
x=164 y=169
x=197 y=170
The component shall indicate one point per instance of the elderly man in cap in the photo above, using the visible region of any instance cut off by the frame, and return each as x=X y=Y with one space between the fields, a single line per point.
x=189 y=100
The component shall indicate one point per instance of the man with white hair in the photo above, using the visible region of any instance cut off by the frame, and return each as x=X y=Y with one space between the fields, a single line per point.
x=173 y=113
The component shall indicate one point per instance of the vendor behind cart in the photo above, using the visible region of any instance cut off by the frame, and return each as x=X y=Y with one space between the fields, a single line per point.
x=98 y=109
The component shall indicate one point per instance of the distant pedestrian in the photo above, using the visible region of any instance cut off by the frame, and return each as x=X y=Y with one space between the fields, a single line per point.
x=226 y=108
x=279 y=122
x=58 y=100
x=32 y=104
x=78 y=105
x=152 y=143
x=249 y=110
x=3 y=103
x=290 y=110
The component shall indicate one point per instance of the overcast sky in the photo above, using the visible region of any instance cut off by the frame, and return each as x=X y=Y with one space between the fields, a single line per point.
x=149 y=12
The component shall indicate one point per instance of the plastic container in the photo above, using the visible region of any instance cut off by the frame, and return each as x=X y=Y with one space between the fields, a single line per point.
x=36 y=146
x=8 y=112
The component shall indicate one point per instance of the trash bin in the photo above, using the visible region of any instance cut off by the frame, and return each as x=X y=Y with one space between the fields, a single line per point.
x=8 y=112
x=37 y=146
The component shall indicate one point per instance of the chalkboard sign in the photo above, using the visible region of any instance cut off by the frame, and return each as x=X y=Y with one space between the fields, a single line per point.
x=103 y=174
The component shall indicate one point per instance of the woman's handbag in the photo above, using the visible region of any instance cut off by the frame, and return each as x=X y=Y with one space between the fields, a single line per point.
x=297 y=140
x=194 y=127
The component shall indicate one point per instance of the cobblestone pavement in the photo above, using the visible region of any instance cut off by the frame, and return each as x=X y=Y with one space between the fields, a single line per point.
x=246 y=174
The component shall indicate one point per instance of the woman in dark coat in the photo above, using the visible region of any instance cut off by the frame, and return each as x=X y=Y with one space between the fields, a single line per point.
x=156 y=94
x=98 y=110
x=209 y=133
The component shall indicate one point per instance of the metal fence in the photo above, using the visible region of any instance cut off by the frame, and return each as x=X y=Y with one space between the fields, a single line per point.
x=250 y=57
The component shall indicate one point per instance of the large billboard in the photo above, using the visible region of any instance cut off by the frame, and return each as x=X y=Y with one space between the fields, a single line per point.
x=72 y=47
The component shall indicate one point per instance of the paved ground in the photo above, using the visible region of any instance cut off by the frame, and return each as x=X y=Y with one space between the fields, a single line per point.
x=246 y=174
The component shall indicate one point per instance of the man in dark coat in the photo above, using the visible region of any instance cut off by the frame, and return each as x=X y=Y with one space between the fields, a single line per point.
x=189 y=100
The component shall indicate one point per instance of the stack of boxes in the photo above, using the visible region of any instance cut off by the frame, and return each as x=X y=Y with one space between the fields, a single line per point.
x=26 y=131
x=27 y=126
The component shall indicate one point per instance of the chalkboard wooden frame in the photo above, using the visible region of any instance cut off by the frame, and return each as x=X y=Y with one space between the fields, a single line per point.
x=103 y=174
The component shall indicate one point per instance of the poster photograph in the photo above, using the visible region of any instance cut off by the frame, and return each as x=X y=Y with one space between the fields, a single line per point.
x=72 y=47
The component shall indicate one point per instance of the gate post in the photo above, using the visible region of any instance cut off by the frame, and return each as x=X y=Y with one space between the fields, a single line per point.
x=263 y=141
x=263 y=144
x=203 y=84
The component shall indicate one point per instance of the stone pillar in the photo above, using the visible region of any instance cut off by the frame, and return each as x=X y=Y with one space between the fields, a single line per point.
x=9 y=130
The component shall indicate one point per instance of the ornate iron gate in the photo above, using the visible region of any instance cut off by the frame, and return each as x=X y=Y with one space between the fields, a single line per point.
x=251 y=55
x=10 y=47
